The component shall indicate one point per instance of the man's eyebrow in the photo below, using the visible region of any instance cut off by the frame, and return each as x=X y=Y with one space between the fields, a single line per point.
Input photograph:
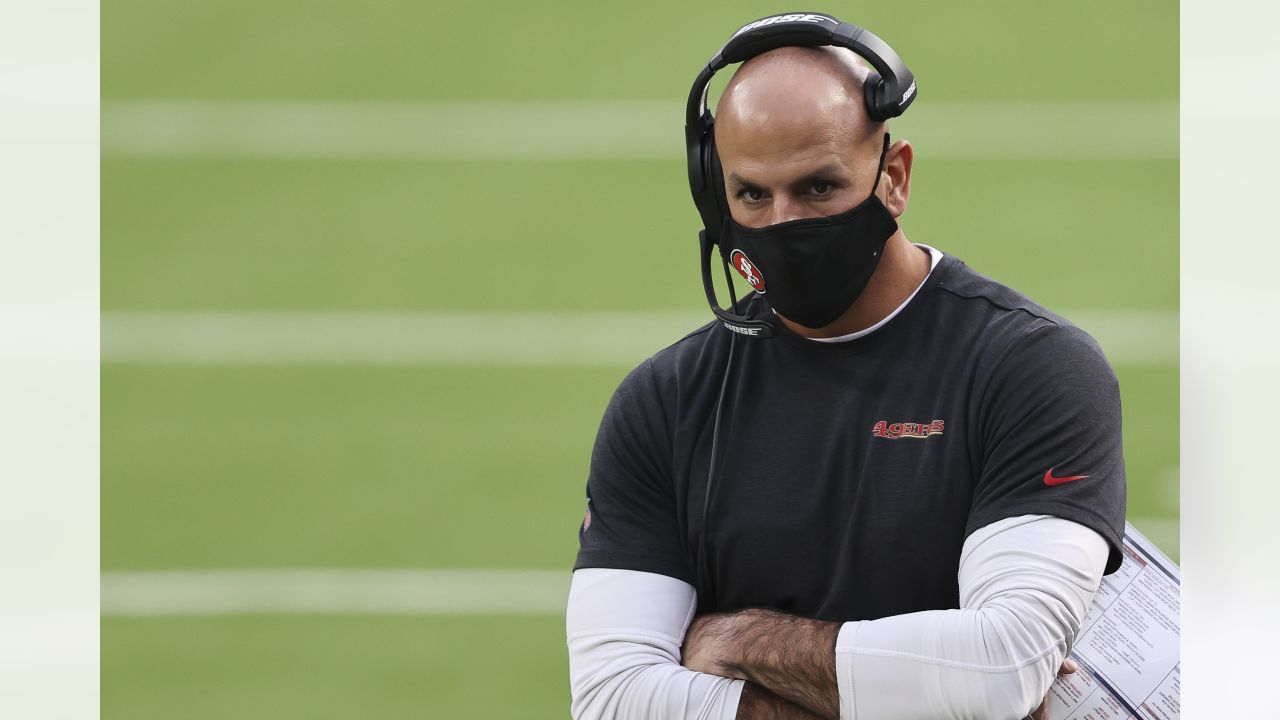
x=823 y=173
x=826 y=172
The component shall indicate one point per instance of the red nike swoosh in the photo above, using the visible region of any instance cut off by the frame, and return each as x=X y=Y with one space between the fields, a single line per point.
x=1050 y=480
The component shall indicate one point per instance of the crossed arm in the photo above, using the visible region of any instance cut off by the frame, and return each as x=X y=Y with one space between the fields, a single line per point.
x=1025 y=584
x=788 y=662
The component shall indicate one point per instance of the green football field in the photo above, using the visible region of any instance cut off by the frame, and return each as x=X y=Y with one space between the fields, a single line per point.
x=1046 y=139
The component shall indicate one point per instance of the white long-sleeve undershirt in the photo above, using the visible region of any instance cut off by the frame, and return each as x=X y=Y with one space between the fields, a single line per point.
x=625 y=629
x=1025 y=585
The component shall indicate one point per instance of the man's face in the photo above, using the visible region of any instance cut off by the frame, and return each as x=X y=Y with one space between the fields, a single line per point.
x=794 y=143
x=792 y=176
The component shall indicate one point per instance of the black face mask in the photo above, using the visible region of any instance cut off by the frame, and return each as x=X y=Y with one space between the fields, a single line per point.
x=814 y=269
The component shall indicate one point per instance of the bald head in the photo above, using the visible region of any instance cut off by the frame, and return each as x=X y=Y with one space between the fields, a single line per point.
x=786 y=88
x=788 y=117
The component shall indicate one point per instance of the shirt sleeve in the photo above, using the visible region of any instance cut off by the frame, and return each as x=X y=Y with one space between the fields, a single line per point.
x=1050 y=433
x=1026 y=584
x=625 y=630
x=631 y=521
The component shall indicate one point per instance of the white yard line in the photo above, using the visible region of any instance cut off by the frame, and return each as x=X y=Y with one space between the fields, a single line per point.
x=302 y=591
x=318 y=590
x=581 y=339
x=600 y=130
x=391 y=338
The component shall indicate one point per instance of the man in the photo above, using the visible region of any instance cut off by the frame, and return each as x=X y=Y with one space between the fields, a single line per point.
x=914 y=502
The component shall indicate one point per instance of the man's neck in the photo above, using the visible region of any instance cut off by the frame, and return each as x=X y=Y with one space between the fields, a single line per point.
x=901 y=270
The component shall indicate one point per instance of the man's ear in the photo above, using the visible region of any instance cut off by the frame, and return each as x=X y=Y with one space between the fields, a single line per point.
x=896 y=182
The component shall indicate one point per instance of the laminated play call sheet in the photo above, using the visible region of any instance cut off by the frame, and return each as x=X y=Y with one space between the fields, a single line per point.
x=1127 y=648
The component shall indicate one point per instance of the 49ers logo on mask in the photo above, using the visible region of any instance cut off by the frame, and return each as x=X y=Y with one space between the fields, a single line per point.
x=747 y=270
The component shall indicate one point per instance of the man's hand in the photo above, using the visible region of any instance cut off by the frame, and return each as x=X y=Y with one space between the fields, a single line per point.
x=1042 y=713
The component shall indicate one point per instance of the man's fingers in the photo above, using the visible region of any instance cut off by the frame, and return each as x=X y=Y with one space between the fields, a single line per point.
x=1042 y=713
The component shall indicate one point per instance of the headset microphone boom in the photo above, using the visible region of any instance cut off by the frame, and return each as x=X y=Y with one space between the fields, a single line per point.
x=889 y=90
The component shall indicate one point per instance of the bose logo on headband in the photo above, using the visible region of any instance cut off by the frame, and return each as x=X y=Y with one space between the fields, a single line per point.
x=809 y=17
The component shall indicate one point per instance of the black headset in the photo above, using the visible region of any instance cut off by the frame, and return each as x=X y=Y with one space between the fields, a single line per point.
x=888 y=92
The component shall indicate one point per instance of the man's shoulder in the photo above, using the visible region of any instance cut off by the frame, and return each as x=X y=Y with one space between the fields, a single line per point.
x=1005 y=318
x=695 y=351
x=692 y=354
x=993 y=298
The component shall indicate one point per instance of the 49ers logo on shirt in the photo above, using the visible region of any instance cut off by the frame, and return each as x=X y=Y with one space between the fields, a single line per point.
x=897 y=431
x=747 y=270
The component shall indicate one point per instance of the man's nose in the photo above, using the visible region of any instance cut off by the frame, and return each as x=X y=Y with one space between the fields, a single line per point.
x=785 y=208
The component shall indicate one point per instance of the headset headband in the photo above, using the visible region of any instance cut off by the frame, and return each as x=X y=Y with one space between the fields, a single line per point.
x=884 y=100
x=887 y=92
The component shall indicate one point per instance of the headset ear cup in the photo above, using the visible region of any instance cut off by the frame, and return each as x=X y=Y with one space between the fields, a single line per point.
x=716 y=181
x=704 y=179
x=873 y=90
x=711 y=201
